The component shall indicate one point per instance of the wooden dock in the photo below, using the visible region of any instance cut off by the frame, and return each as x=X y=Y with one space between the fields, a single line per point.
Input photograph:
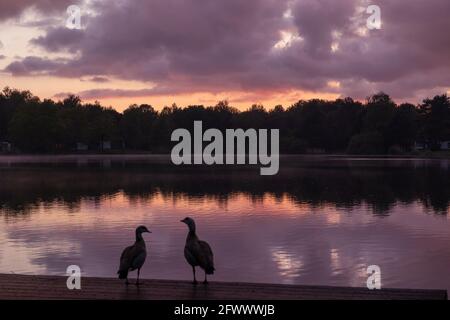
x=54 y=287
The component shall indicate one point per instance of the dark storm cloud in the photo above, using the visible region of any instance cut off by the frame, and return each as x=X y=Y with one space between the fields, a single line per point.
x=316 y=21
x=97 y=79
x=57 y=39
x=11 y=9
x=33 y=65
x=201 y=45
x=115 y=93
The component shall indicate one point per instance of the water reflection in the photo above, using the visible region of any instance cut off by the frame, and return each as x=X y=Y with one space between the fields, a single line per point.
x=317 y=222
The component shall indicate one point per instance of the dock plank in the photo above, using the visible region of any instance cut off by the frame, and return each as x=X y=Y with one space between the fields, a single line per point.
x=14 y=286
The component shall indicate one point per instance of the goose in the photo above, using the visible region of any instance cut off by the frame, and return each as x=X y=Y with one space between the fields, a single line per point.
x=133 y=257
x=198 y=252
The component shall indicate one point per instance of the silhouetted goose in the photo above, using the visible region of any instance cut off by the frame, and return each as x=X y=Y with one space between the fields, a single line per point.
x=197 y=252
x=133 y=257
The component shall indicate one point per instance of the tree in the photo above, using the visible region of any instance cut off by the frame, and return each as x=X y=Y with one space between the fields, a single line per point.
x=402 y=128
x=138 y=126
x=10 y=100
x=35 y=127
x=435 y=116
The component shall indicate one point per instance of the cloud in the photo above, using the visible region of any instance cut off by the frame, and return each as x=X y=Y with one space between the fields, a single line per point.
x=11 y=9
x=33 y=65
x=115 y=93
x=217 y=46
x=97 y=79
x=60 y=39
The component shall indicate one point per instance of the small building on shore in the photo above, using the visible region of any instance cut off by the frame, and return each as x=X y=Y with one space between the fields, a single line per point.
x=445 y=145
x=5 y=146
x=81 y=146
x=105 y=145
x=100 y=146
x=422 y=145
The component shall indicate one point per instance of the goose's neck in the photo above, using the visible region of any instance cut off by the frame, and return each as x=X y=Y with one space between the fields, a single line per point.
x=191 y=234
x=139 y=237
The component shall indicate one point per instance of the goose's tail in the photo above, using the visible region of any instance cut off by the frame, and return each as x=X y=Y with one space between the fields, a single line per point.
x=210 y=270
x=122 y=274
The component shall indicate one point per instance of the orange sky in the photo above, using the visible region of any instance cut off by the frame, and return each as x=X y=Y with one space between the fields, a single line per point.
x=47 y=87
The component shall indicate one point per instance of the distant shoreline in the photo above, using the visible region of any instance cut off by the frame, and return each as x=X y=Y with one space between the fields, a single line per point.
x=166 y=156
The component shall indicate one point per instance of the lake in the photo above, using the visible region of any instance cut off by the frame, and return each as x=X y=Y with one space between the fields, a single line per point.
x=321 y=220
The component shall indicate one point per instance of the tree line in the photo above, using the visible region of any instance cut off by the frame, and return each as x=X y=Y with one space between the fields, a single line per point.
x=377 y=126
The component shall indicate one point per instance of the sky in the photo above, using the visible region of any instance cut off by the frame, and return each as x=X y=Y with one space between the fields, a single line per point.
x=245 y=51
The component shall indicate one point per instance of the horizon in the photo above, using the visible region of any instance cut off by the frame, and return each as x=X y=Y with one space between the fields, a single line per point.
x=226 y=102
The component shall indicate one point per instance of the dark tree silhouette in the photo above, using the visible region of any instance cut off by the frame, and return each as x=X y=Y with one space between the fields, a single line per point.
x=343 y=125
x=435 y=116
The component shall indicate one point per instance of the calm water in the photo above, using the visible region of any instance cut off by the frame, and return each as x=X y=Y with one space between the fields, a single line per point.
x=319 y=221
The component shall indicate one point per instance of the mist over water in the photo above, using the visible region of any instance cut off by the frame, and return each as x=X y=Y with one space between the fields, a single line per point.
x=320 y=220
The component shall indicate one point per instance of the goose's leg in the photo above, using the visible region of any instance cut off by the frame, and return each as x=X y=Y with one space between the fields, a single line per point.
x=193 y=271
x=206 y=279
x=137 y=281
